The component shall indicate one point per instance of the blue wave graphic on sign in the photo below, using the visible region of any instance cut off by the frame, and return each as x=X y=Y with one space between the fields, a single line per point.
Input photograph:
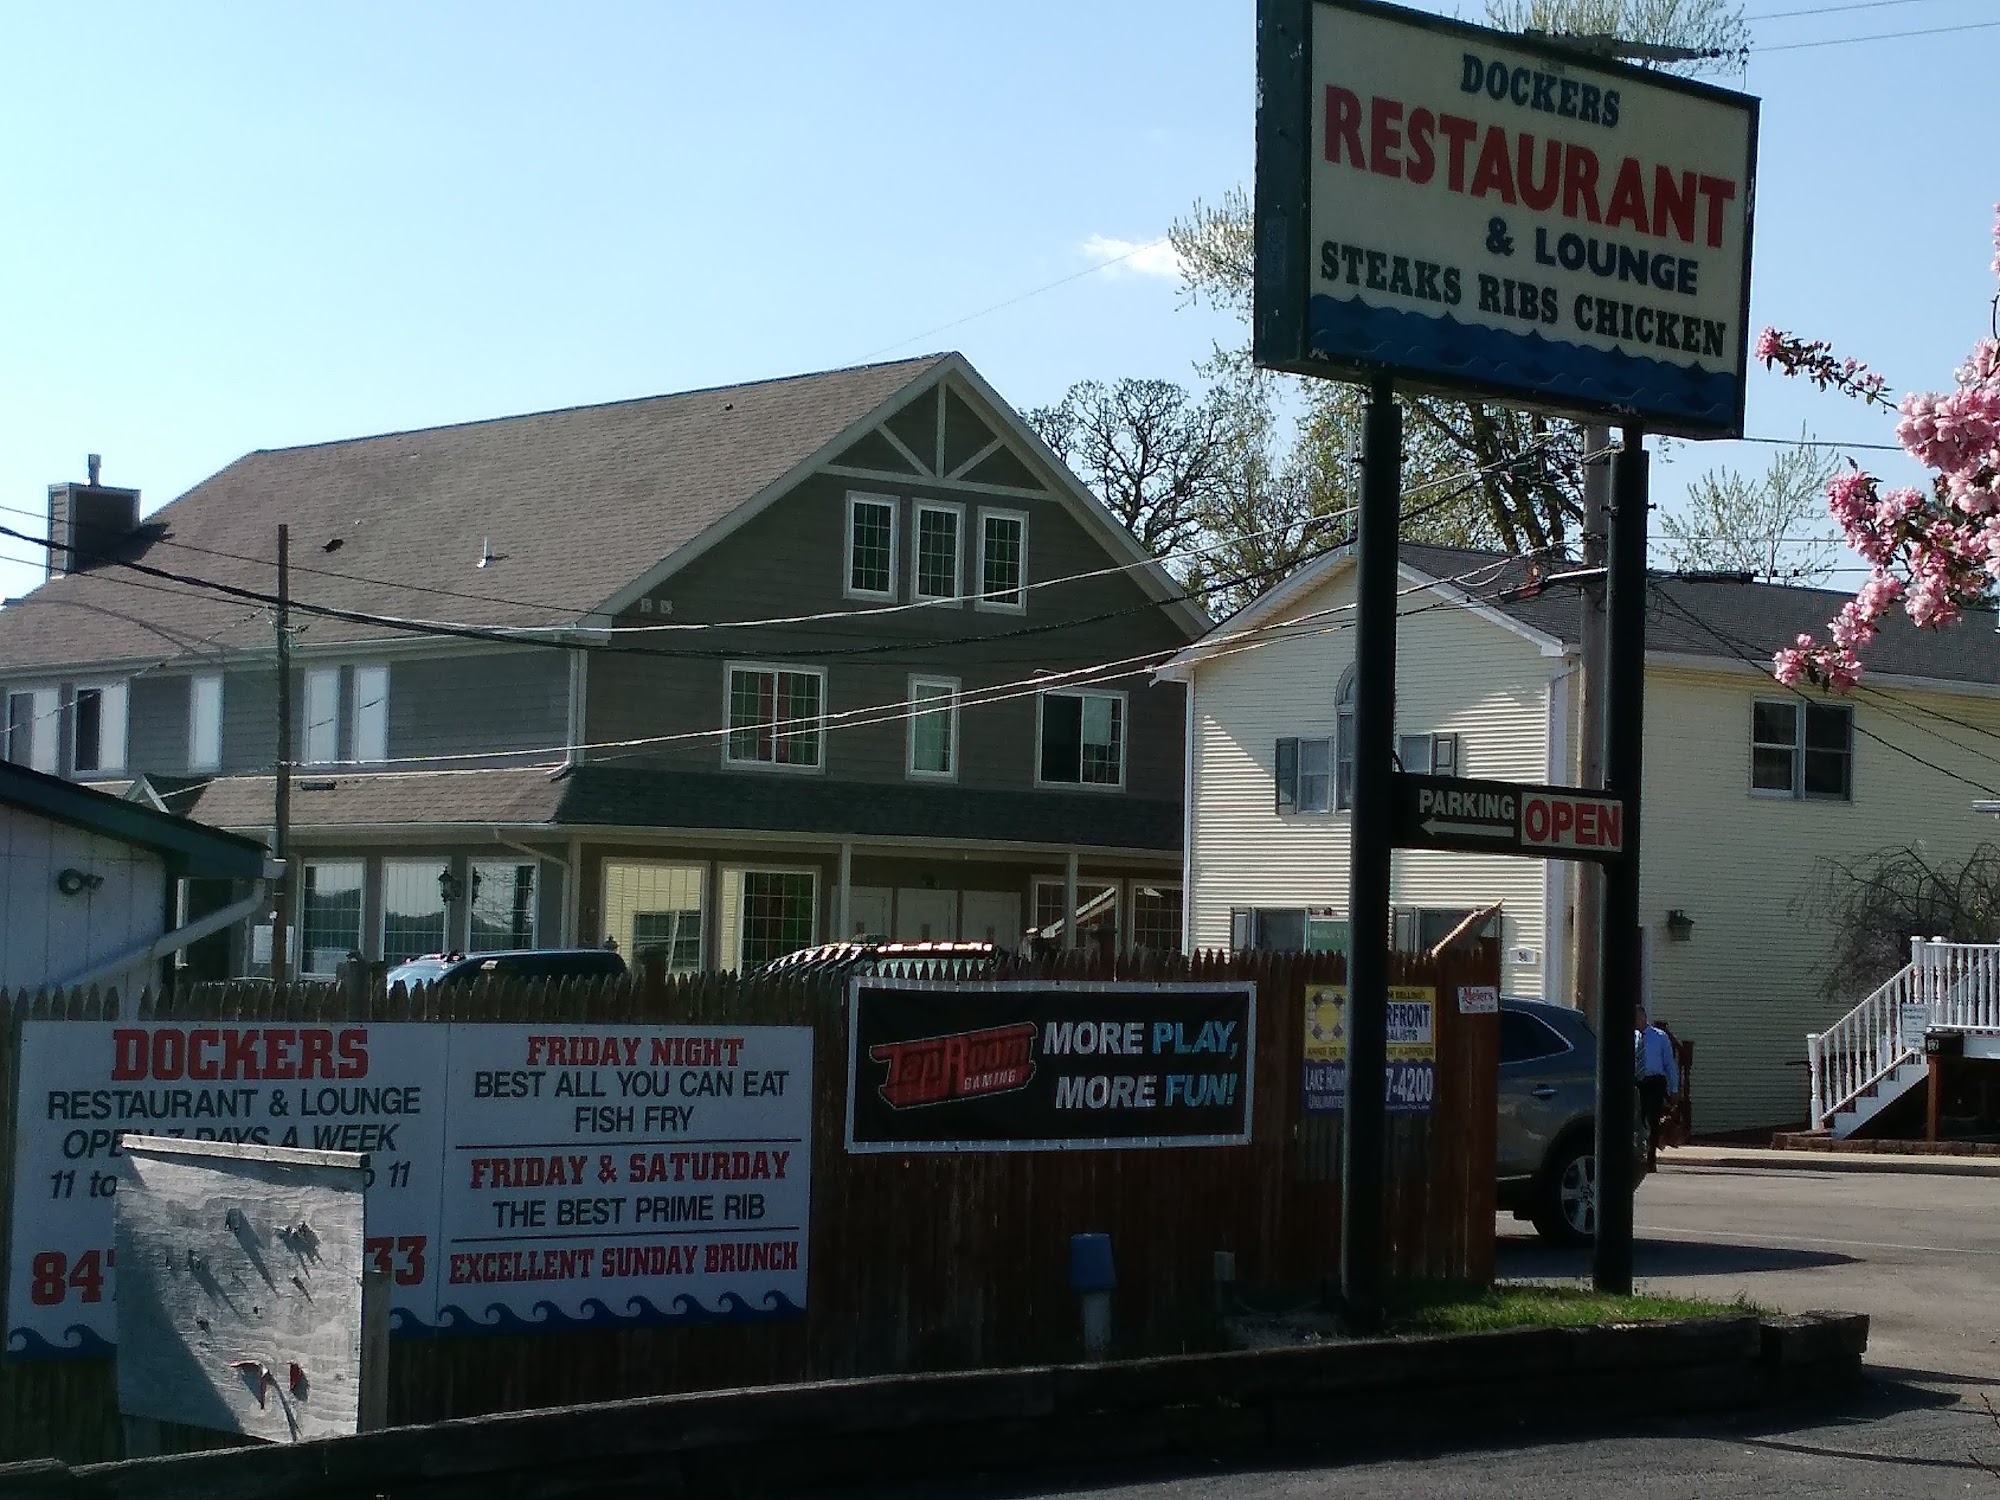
x=774 y=1306
x=1349 y=329
x=78 y=1342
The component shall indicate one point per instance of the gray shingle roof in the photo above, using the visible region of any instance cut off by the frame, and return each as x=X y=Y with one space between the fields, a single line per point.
x=1729 y=621
x=190 y=847
x=606 y=796
x=576 y=504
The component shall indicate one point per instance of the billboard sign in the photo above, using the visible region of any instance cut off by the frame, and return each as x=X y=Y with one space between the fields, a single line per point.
x=1048 y=1065
x=1410 y=1083
x=1491 y=216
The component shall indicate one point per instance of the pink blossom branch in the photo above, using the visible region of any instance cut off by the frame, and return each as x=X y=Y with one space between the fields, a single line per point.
x=1937 y=554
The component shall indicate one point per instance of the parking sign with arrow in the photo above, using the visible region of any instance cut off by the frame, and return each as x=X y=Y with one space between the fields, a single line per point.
x=1505 y=817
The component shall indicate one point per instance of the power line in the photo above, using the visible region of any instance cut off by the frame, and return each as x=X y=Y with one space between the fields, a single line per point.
x=1881 y=36
x=902 y=710
x=1828 y=10
x=1049 y=286
x=1738 y=649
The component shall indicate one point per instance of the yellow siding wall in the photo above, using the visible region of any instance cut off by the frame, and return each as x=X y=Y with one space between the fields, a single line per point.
x=1747 y=986
x=1457 y=673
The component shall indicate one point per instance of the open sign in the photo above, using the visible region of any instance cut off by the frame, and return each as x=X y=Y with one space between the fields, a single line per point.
x=1564 y=822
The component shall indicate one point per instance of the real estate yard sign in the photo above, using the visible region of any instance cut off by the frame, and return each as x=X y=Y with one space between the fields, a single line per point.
x=1410 y=1084
x=1489 y=215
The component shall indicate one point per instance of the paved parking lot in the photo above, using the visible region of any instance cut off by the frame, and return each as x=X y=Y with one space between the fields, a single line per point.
x=1920 y=1254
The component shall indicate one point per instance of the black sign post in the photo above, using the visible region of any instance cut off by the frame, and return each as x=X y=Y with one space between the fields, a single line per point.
x=1363 y=1169
x=1620 y=960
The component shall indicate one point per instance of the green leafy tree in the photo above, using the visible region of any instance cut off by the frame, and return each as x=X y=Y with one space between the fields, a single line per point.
x=1776 y=527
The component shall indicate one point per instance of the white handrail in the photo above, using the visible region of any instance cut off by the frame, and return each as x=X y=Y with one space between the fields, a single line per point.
x=1955 y=986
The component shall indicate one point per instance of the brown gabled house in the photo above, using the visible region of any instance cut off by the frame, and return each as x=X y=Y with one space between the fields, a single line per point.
x=716 y=675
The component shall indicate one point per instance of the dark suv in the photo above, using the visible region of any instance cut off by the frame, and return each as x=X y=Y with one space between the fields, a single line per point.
x=1548 y=1121
x=512 y=963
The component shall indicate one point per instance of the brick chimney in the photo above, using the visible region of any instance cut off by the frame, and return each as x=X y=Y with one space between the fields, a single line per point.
x=88 y=521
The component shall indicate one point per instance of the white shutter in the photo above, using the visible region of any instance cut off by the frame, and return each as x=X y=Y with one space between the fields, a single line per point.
x=111 y=723
x=204 y=723
x=371 y=713
x=45 y=737
x=320 y=734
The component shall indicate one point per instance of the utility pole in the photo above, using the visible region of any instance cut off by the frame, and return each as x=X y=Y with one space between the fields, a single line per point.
x=281 y=821
x=1594 y=634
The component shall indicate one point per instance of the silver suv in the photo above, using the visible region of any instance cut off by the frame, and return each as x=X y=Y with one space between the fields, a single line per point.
x=1548 y=1121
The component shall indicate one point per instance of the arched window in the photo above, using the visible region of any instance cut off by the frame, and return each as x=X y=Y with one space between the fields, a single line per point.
x=1343 y=772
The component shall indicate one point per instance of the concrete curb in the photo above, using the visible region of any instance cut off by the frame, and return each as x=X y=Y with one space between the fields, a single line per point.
x=1749 y=1158
x=898 y=1429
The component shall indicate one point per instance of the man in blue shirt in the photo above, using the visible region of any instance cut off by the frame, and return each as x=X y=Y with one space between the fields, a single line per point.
x=1659 y=1074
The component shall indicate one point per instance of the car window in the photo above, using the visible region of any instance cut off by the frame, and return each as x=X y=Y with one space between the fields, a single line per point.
x=1523 y=1038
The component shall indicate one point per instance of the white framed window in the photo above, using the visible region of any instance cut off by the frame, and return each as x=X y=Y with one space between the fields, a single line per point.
x=370 y=739
x=32 y=730
x=1156 y=917
x=871 y=546
x=1097 y=912
x=413 y=911
x=775 y=716
x=1802 y=750
x=1081 y=740
x=204 y=723
x=1343 y=743
x=97 y=728
x=1003 y=560
x=319 y=734
x=933 y=750
x=502 y=909
x=329 y=924
x=767 y=912
x=936 y=548
x=1303 y=779
x=1428 y=754
x=652 y=906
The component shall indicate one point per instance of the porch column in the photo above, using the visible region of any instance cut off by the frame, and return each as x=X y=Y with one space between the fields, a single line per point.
x=573 y=897
x=1069 y=900
x=843 y=906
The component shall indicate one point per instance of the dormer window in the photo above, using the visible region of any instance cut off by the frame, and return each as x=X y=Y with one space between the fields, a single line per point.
x=871 y=547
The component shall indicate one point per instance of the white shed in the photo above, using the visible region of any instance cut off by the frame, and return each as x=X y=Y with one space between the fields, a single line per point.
x=87 y=884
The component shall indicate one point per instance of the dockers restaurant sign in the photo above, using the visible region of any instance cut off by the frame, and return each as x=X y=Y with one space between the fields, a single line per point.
x=1492 y=216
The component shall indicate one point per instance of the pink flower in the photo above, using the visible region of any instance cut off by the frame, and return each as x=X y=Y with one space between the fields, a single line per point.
x=1789 y=667
x=1769 y=342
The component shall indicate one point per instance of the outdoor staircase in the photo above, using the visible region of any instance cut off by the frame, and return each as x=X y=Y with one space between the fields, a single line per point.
x=1874 y=1055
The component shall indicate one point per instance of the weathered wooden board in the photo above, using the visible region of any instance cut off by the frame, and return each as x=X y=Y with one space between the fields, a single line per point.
x=240 y=1291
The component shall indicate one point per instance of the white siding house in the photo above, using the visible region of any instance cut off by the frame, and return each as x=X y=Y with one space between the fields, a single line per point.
x=1487 y=655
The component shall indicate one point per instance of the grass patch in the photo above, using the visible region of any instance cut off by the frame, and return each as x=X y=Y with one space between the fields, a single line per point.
x=1460 y=1307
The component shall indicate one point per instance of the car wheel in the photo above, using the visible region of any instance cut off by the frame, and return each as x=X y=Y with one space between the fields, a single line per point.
x=1566 y=1213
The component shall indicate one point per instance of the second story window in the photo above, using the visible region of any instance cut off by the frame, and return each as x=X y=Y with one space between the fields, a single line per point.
x=776 y=717
x=97 y=729
x=871 y=547
x=934 y=728
x=937 y=549
x=319 y=734
x=1304 y=779
x=1427 y=754
x=371 y=714
x=1003 y=560
x=1083 y=739
x=20 y=729
x=1801 y=749
x=204 y=723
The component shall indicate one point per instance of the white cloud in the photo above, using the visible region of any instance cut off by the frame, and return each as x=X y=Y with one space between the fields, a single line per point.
x=1134 y=257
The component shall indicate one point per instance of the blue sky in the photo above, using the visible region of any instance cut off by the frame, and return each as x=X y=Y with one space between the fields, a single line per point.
x=233 y=227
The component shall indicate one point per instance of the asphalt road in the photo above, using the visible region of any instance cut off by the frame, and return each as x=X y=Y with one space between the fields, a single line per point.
x=1920 y=1254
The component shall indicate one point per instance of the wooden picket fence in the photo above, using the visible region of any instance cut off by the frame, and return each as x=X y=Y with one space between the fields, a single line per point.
x=921 y=1262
